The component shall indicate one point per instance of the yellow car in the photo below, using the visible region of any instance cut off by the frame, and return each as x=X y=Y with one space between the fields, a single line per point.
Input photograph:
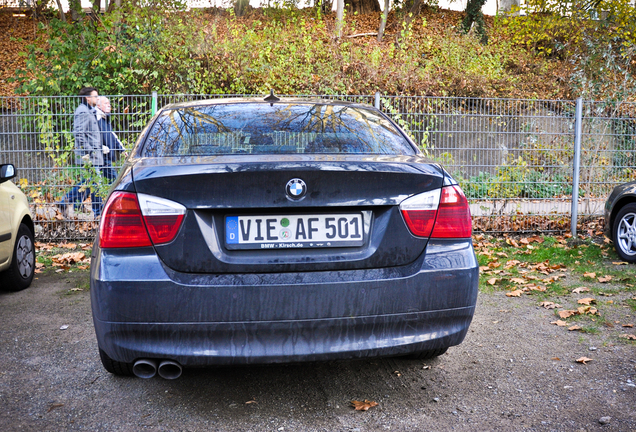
x=17 y=250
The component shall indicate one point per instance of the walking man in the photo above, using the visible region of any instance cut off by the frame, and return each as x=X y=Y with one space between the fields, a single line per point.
x=113 y=148
x=88 y=149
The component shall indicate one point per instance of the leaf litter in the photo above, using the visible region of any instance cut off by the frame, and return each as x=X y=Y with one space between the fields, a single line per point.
x=363 y=405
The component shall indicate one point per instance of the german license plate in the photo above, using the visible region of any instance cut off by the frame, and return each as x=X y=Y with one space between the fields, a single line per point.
x=297 y=231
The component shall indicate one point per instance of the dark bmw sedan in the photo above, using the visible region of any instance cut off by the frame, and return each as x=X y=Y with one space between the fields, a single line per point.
x=245 y=231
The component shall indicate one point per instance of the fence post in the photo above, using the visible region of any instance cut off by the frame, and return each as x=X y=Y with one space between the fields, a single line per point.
x=578 y=128
x=153 y=106
x=377 y=100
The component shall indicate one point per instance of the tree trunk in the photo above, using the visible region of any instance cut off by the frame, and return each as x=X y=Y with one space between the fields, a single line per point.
x=415 y=9
x=363 y=6
x=75 y=7
x=385 y=15
x=240 y=7
x=476 y=16
x=61 y=9
x=339 y=18
x=324 y=5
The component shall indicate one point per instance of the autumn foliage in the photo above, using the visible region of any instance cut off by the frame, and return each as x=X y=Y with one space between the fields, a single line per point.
x=136 y=51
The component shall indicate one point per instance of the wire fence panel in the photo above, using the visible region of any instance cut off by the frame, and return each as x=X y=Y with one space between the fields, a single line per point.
x=513 y=158
x=36 y=135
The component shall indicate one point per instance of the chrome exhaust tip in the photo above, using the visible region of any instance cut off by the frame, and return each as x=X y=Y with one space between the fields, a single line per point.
x=145 y=368
x=169 y=369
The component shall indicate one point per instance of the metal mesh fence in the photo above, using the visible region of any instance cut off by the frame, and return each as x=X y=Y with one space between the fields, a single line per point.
x=16 y=3
x=513 y=158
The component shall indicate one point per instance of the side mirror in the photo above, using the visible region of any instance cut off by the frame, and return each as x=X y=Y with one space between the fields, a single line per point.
x=7 y=172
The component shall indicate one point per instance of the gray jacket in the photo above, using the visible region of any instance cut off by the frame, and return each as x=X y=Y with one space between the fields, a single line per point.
x=87 y=138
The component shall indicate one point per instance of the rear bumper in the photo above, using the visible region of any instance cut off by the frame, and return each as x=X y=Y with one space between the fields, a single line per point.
x=143 y=310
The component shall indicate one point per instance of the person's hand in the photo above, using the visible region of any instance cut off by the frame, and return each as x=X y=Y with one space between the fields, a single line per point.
x=105 y=149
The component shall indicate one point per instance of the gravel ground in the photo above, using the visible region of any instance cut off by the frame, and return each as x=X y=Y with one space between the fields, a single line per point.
x=515 y=371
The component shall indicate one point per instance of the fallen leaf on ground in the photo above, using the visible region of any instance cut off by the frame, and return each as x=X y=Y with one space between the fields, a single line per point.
x=555 y=358
x=515 y=293
x=586 y=301
x=69 y=258
x=492 y=281
x=363 y=406
x=567 y=313
x=579 y=290
x=510 y=264
x=604 y=279
x=619 y=263
x=512 y=242
x=590 y=275
x=628 y=325
x=588 y=310
x=559 y=323
x=518 y=280
x=574 y=327
x=549 y=305
x=628 y=336
x=55 y=405
x=583 y=360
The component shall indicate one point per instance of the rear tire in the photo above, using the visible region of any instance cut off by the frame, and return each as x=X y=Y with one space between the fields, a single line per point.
x=624 y=233
x=115 y=367
x=427 y=355
x=20 y=273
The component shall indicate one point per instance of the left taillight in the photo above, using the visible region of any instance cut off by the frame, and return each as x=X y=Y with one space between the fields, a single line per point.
x=139 y=220
x=440 y=213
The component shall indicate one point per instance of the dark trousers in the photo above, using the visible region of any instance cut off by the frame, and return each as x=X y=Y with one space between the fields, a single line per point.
x=78 y=193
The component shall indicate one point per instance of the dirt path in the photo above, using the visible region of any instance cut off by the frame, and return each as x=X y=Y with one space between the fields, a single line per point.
x=504 y=376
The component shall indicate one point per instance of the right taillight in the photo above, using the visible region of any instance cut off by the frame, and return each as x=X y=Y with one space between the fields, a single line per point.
x=441 y=213
x=138 y=220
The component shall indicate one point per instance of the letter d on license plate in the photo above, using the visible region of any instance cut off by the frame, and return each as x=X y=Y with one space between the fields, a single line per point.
x=296 y=231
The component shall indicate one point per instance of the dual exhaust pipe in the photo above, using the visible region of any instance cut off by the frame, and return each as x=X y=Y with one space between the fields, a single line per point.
x=147 y=368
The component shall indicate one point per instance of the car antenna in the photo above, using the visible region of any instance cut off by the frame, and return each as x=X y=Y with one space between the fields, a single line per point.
x=271 y=98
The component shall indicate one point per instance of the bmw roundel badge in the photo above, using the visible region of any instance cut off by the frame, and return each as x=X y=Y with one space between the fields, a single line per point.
x=296 y=189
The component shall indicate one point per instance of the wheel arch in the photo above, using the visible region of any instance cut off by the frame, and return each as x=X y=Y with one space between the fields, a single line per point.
x=26 y=219
x=618 y=205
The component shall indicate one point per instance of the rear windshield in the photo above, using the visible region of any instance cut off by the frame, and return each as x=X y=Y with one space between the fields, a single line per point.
x=252 y=128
